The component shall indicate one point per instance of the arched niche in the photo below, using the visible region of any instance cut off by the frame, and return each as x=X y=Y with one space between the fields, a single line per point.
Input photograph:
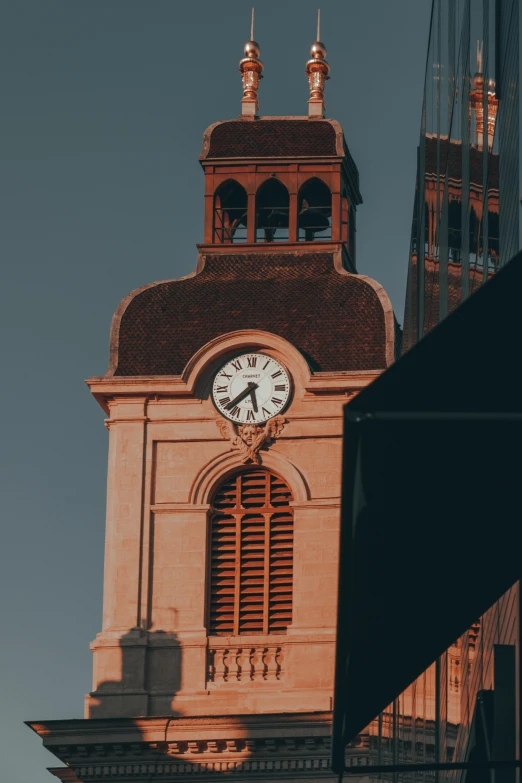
x=314 y=219
x=230 y=213
x=272 y=212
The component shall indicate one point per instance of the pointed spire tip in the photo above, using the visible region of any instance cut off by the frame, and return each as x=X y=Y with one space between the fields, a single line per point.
x=317 y=70
x=251 y=69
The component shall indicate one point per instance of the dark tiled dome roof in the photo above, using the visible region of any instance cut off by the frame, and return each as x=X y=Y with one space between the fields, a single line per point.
x=272 y=138
x=339 y=322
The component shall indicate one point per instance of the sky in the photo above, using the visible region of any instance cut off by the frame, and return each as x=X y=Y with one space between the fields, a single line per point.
x=104 y=105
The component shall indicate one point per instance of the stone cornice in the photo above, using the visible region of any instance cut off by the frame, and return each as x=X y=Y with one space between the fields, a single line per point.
x=178 y=387
x=172 y=727
x=257 y=769
x=278 y=745
x=278 y=757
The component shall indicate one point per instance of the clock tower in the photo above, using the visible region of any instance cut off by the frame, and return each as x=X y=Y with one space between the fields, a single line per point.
x=223 y=400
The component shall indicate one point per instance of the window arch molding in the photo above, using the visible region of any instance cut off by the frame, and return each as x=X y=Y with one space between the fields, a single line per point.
x=251 y=554
x=221 y=467
x=223 y=346
x=313 y=180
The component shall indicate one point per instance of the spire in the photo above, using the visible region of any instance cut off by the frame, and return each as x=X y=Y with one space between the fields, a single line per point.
x=317 y=70
x=251 y=69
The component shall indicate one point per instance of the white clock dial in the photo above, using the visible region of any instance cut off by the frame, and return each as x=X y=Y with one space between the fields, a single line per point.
x=252 y=388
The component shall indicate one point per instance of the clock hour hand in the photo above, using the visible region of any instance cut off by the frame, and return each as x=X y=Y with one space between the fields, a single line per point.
x=250 y=388
x=254 y=399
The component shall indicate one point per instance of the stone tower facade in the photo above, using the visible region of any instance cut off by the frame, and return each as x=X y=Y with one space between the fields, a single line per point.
x=223 y=401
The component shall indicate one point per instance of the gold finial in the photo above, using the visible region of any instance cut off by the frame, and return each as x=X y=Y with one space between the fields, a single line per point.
x=477 y=102
x=317 y=70
x=251 y=69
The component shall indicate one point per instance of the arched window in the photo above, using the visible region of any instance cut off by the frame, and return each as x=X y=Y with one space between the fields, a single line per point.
x=272 y=208
x=251 y=555
x=230 y=213
x=315 y=211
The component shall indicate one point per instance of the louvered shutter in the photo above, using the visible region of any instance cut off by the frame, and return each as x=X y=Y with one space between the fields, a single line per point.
x=251 y=556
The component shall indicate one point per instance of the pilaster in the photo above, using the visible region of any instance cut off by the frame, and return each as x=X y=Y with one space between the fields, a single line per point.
x=127 y=427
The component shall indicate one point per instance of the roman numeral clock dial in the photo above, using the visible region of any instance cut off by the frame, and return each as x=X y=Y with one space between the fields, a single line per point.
x=252 y=387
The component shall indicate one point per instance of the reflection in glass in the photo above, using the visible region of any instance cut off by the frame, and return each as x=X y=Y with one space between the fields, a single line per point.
x=465 y=226
x=458 y=225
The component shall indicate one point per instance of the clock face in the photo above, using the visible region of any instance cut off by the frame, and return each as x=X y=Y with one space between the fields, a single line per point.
x=252 y=388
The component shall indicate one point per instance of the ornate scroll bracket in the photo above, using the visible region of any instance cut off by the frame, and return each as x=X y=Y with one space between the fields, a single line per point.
x=250 y=438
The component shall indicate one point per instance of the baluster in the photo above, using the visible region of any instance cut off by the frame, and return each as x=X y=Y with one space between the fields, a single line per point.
x=211 y=665
x=239 y=663
x=257 y=664
x=234 y=666
x=269 y=659
x=219 y=665
x=226 y=665
x=280 y=657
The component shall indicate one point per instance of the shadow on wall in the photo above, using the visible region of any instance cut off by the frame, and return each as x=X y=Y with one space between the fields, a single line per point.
x=150 y=667
x=133 y=729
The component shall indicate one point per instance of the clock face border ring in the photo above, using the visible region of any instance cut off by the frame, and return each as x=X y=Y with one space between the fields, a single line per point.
x=271 y=394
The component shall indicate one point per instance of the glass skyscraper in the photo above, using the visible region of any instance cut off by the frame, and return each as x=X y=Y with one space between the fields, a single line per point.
x=465 y=227
x=466 y=208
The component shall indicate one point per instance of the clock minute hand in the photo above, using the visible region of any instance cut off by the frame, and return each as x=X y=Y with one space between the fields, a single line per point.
x=254 y=399
x=242 y=395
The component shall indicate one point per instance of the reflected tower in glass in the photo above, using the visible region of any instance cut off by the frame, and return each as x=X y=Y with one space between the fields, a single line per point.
x=466 y=208
x=465 y=227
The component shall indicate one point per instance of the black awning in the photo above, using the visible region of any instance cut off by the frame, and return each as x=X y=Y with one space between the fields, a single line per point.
x=431 y=528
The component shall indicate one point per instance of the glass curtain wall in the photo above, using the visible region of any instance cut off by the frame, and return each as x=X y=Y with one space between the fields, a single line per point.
x=465 y=227
x=461 y=709
x=465 y=218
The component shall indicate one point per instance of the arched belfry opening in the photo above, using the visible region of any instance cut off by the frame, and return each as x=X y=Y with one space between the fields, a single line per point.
x=315 y=211
x=272 y=212
x=230 y=213
x=251 y=555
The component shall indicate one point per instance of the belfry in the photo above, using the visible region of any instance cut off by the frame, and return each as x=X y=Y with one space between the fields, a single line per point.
x=223 y=400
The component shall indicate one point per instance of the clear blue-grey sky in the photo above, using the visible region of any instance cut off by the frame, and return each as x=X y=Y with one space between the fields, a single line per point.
x=103 y=107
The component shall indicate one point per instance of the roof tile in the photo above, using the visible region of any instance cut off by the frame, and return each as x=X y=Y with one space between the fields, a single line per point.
x=336 y=320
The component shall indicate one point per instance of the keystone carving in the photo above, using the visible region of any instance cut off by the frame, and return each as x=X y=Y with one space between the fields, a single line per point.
x=250 y=438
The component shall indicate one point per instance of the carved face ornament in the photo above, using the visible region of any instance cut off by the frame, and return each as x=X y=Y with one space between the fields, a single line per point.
x=248 y=433
x=249 y=438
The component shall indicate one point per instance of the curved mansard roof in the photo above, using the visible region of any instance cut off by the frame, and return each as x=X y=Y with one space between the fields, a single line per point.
x=338 y=321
